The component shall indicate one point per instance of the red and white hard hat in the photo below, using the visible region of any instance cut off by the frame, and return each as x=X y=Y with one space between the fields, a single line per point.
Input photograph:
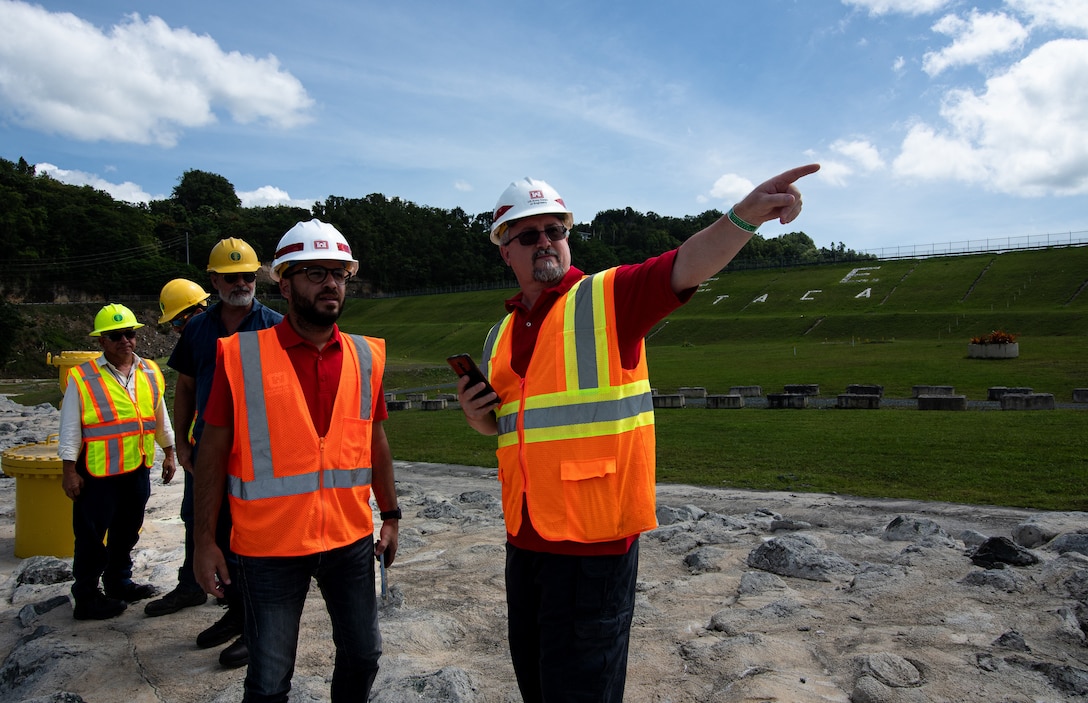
x=526 y=198
x=312 y=241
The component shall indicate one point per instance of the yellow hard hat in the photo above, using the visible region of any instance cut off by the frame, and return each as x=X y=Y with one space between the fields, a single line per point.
x=233 y=256
x=179 y=295
x=114 y=317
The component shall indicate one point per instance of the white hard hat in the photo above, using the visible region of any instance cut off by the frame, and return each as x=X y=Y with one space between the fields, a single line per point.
x=526 y=198
x=312 y=241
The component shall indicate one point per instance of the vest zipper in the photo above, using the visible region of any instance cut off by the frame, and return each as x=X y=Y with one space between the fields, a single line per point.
x=321 y=491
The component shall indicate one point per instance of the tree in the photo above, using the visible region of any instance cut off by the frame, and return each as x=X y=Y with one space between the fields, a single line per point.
x=200 y=188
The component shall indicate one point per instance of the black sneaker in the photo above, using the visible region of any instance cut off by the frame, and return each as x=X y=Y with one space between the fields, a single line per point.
x=234 y=656
x=98 y=607
x=225 y=629
x=175 y=600
x=131 y=592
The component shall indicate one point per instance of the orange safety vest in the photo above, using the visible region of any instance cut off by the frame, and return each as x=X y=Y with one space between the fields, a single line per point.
x=292 y=492
x=118 y=434
x=576 y=435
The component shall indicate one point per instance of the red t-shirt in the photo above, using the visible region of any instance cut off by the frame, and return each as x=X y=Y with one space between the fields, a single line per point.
x=318 y=373
x=644 y=297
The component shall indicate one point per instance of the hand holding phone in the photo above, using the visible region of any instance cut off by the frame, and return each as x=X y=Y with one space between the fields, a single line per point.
x=463 y=365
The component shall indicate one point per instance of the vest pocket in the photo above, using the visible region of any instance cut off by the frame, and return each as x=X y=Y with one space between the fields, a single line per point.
x=591 y=497
x=582 y=469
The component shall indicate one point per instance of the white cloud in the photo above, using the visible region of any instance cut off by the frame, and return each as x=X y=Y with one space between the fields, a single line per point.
x=141 y=82
x=973 y=39
x=730 y=188
x=834 y=172
x=462 y=186
x=1063 y=14
x=899 y=64
x=1023 y=135
x=266 y=196
x=861 y=152
x=906 y=7
x=128 y=191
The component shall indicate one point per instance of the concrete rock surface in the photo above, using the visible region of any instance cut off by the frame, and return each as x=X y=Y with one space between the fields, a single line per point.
x=717 y=619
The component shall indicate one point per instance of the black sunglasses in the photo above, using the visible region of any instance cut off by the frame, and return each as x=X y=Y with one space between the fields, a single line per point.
x=116 y=335
x=232 y=278
x=529 y=237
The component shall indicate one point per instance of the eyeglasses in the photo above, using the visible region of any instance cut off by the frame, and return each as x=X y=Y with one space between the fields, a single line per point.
x=529 y=237
x=184 y=317
x=116 y=335
x=318 y=274
x=232 y=278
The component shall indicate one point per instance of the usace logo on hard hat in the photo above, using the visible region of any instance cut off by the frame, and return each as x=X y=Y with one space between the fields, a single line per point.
x=321 y=244
x=536 y=195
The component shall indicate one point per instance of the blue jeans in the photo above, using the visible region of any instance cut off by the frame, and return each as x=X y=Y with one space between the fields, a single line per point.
x=274 y=590
x=570 y=623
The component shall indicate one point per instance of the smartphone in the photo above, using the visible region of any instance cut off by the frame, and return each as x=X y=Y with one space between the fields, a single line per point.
x=463 y=365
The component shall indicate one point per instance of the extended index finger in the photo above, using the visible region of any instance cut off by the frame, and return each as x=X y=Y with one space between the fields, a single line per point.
x=795 y=174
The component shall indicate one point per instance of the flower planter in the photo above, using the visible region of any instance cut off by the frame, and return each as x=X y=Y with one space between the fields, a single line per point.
x=993 y=351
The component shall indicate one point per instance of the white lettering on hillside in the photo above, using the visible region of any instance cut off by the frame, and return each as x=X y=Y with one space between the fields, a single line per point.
x=808 y=295
x=719 y=299
x=860 y=275
x=867 y=293
x=761 y=299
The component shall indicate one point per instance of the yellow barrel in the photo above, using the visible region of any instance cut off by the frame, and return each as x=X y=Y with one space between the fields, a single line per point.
x=67 y=360
x=43 y=514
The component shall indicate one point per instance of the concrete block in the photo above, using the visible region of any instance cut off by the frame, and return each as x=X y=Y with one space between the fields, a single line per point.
x=434 y=404
x=673 y=400
x=933 y=390
x=996 y=392
x=725 y=402
x=392 y=405
x=802 y=388
x=942 y=402
x=858 y=401
x=795 y=401
x=1028 y=401
x=865 y=389
x=747 y=391
x=416 y=397
x=1080 y=395
x=692 y=392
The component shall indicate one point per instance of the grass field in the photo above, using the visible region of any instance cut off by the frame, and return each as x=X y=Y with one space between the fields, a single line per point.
x=893 y=323
x=903 y=324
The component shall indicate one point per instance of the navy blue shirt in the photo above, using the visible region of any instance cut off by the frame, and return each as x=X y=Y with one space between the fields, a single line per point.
x=194 y=354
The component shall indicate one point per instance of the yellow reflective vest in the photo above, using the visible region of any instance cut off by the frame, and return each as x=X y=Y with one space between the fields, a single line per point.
x=118 y=434
x=292 y=492
x=576 y=435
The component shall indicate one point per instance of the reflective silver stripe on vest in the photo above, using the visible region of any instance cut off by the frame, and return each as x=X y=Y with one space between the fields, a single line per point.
x=587 y=413
x=265 y=483
x=366 y=368
x=489 y=343
x=98 y=389
x=105 y=430
x=585 y=341
x=150 y=373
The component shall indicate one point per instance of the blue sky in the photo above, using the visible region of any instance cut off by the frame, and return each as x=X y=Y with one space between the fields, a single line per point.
x=935 y=120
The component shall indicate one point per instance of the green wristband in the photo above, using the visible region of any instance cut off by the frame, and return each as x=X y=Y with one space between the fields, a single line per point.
x=735 y=219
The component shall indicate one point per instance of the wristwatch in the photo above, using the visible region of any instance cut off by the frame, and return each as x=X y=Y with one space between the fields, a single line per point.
x=394 y=514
